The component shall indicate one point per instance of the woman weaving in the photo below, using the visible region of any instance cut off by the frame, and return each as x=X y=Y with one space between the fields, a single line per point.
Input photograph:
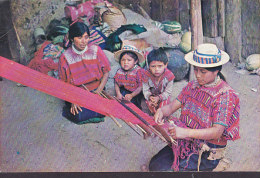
x=209 y=116
x=84 y=65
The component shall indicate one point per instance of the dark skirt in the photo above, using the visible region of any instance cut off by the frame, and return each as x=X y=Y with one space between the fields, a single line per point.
x=86 y=116
x=135 y=100
x=163 y=161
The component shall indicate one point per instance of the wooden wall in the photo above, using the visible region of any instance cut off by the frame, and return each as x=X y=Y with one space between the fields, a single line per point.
x=231 y=24
x=162 y=10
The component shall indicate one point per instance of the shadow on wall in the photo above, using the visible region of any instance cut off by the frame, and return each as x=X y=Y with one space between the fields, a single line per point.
x=5 y=28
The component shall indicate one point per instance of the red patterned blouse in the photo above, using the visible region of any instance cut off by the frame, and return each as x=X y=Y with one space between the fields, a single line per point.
x=87 y=68
x=130 y=80
x=204 y=106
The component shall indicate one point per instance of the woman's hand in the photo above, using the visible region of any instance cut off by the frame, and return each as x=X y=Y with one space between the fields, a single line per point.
x=128 y=97
x=75 y=109
x=158 y=117
x=119 y=96
x=178 y=132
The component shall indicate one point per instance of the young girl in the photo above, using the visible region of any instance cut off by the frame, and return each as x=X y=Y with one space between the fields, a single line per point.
x=158 y=81
x=128 y=79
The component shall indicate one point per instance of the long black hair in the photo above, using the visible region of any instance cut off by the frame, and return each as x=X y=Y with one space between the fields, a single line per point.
x=219 y=68
x=78 y=29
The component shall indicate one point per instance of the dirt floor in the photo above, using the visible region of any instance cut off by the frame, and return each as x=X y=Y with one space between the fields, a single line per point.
x=36 y=138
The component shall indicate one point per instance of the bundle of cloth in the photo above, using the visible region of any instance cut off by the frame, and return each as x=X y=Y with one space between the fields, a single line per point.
x=46 y=59
x=85 y=9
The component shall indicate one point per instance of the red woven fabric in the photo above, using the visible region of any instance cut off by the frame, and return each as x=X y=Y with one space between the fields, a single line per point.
x=42 y=82
x=43 y=66
x=130 y=80
x=81 y=69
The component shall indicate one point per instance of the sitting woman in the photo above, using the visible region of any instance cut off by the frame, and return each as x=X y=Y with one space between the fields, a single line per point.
x=209 y=117
x=85 y=66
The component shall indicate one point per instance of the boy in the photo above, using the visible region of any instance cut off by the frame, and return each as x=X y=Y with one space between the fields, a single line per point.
x=158 y=81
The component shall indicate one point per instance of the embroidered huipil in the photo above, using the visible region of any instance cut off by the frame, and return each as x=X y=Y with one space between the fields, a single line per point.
x=204 y=106
x=201 y=107
x=87 y=68
x=130 y=80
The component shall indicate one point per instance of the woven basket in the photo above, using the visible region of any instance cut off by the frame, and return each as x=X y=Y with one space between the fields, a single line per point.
x=114 y=18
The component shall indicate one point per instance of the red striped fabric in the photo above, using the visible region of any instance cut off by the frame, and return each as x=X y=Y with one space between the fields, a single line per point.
x=44 y=83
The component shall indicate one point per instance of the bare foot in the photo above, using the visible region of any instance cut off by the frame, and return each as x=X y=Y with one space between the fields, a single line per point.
x=144 y=168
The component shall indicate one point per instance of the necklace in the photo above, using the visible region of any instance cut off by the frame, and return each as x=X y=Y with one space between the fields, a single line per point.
x=79 y=52
x=216 y=81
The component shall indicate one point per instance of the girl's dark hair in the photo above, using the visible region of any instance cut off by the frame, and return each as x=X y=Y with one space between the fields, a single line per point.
x=78 y=29
x=131 y=54
x=219 y=68
x=157 y=55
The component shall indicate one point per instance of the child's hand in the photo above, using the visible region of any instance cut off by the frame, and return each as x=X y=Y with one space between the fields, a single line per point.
x=128 y=97
x=119 y=96
x=152 y=103
x=154 y=100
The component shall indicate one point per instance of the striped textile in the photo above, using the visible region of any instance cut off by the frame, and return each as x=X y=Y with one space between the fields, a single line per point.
x=65 y=91
x=206 y=58
x=96 y=37
x=130 y=80
x=83 y=69
x=204 y=106
x=46 y=58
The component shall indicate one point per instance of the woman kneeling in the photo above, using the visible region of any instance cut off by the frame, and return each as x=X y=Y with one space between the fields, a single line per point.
x=85 y=66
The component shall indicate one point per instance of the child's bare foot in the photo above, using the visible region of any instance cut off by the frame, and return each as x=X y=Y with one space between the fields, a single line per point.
x=144 y=168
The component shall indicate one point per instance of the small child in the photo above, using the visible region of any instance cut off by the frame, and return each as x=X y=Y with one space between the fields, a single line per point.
x=128 y=79
x=158 y=81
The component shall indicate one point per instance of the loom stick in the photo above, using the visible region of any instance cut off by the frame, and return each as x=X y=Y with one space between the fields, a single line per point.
x=105 y=95
x=144 y=121
x=164 y=134
x=133 y=127
x=141 y=128
x=112 y=117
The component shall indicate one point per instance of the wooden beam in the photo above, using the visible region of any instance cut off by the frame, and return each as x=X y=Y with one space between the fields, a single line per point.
x=196 y=29
x=233 y=33
x=146 y=5
x=221 y=17
x=210 y=18
x=184 y=11
x=170 y=10
x=156 y=8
